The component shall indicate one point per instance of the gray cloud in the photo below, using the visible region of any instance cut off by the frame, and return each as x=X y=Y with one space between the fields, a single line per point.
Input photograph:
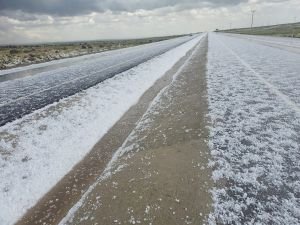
x=50 y=7
x=30 y=21
x=81 y=7
x=19 y=15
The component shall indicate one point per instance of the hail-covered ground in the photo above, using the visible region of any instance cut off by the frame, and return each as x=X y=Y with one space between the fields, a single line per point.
x=19 y=97
x=281 y=41
x=254 y=107
x=37 y=150
x=253 y=86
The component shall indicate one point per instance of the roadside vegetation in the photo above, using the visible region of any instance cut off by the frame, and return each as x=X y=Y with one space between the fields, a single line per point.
x=281 y=30
x=20 y=55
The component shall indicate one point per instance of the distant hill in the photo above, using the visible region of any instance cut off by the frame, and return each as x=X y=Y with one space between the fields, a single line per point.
x=283 y=30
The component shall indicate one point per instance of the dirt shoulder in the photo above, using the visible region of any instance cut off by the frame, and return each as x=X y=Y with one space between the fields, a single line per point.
x=164 y=177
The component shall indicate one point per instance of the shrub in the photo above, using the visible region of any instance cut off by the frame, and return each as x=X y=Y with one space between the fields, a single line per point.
x=14 y=51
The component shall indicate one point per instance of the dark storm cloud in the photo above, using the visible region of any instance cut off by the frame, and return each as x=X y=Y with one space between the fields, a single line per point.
x=51 y=7
x=80 y=7
x=19 y=15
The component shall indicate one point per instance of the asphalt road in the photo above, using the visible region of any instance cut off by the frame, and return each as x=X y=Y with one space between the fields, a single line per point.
x=253 y=91
x=283 y=43
x=25 y=91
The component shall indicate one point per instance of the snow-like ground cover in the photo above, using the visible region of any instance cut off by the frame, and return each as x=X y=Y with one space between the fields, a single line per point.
x=39 y=149
x=86 y=69
x=254 y=106
x=19 y=97
x=285 y=41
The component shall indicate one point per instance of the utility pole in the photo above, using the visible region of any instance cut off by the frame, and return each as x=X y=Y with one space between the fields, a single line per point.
x=252 y=17
x=293 y=27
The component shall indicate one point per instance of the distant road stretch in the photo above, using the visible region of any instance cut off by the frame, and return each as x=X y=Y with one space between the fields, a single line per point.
x=285 y=43
x=26 y=90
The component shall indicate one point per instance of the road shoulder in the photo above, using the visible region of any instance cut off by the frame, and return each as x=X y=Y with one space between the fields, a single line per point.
x=164 y=178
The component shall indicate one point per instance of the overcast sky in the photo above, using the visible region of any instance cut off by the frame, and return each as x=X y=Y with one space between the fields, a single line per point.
x=29 y=21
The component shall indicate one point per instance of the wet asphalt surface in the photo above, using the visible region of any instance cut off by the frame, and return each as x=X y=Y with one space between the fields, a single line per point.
x=24 y=92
